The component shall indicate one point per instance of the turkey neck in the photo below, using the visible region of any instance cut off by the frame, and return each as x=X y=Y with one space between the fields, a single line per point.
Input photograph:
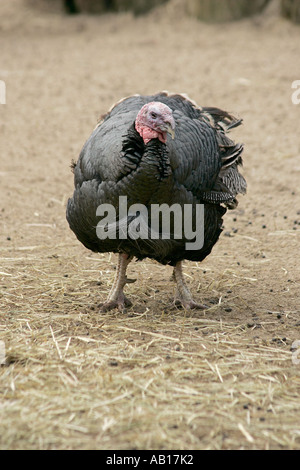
x=146 y=166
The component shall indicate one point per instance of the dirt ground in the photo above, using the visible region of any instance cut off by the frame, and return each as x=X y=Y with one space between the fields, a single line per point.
x=152 y=377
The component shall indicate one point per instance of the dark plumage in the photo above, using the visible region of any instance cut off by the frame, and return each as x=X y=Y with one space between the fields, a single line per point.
x=200 y=165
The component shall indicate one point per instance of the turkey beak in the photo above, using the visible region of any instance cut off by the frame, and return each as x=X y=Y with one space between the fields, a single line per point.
x=170 y=129
x=171 y=132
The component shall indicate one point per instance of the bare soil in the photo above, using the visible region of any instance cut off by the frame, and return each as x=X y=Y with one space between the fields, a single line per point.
x=62 y=73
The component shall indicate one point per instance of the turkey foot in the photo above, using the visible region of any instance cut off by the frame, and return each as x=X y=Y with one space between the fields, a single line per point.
x=121 y=303
x=116 y=297
x=184 y=297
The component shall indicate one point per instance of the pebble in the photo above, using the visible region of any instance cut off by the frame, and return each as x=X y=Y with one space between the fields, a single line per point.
x=113 y=363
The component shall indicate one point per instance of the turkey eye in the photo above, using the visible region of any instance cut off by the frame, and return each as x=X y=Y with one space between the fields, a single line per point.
x=153 y=115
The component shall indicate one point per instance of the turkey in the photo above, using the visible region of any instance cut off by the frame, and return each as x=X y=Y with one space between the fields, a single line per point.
x=162 y=154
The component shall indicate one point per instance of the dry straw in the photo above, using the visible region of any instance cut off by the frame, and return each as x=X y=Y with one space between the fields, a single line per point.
x=154 y=377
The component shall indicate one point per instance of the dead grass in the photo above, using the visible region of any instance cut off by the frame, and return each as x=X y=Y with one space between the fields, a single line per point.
x=152 y=378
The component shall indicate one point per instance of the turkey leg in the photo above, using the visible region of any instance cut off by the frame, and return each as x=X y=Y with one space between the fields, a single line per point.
x=116 y=297
x=183 y=294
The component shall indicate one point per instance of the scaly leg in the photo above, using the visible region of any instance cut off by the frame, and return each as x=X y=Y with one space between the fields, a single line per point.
x=183 y=293
x=116 y=297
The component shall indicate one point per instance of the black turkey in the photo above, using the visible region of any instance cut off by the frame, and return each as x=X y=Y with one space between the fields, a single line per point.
x=160 y=151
